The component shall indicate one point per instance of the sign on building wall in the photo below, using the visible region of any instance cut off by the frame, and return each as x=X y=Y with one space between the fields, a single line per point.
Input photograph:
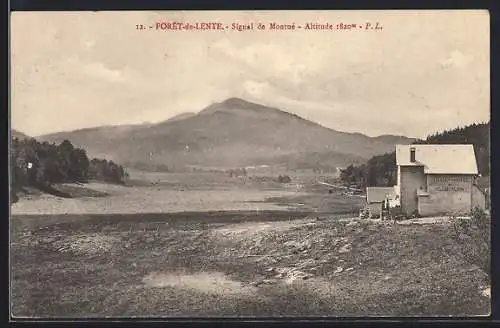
x=449 y=183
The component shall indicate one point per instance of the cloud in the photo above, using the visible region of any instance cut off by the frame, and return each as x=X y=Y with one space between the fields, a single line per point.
x=352 y=81
x=87 y=44
x=267 y=60
x=257 y=89
x=456 y=59
x=100 y=71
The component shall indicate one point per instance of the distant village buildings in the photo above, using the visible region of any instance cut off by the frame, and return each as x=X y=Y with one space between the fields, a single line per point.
x=431 y=180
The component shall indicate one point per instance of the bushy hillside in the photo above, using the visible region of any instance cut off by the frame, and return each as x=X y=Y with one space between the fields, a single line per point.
x=18 y=134
x=381 y=170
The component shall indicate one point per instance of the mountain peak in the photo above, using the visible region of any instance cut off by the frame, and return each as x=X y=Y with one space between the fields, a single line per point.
x=236 y=102
x=231 y=104
x=232 y=132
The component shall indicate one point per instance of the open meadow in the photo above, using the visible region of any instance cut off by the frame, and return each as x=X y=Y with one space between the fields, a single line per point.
x=209 y=245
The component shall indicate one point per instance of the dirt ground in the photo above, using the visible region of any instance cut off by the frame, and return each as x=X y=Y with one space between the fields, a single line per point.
x=238 y=264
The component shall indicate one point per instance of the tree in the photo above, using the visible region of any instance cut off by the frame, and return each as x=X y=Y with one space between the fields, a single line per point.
x=283 y=179
x=79 y=165
x=65 y=149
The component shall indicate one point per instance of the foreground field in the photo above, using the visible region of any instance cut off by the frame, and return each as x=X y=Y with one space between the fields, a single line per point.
x=238 y=264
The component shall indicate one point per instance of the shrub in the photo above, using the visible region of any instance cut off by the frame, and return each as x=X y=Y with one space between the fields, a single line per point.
x=414 y=215
x=474 y=238
x=240 y=172
x=284 y=179
x=364 y=213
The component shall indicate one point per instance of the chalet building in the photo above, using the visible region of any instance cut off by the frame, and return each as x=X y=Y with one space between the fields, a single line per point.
x=437 y=180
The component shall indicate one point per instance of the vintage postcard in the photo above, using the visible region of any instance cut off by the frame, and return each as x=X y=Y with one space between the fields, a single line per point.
x=250 y=164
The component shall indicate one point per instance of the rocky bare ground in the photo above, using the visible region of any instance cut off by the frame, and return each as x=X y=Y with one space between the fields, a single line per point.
x=297 y=267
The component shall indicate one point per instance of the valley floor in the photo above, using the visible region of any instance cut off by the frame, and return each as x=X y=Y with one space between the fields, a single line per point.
x=170 y=193
x=244 y=249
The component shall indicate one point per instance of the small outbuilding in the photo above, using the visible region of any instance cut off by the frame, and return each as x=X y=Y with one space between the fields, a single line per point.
x=377 y=198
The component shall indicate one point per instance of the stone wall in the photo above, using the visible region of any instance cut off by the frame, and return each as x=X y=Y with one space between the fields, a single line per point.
x=446 y=195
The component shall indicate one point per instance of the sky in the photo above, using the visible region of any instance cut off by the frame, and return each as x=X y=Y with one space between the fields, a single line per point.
x=425 y=71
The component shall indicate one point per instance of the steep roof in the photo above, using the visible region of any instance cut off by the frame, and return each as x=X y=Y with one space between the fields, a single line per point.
x=439 y=159
x=378 y=194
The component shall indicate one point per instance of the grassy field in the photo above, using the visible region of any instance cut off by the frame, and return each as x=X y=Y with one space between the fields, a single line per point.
x=278 y=261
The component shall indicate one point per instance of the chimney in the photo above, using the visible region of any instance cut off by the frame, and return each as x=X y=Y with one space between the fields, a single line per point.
x=412 y=154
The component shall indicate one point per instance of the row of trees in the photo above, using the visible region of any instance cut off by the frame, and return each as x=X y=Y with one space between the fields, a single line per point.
x=381 y=170
x=103 y=170
x=378 y=171
x=42 y=164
